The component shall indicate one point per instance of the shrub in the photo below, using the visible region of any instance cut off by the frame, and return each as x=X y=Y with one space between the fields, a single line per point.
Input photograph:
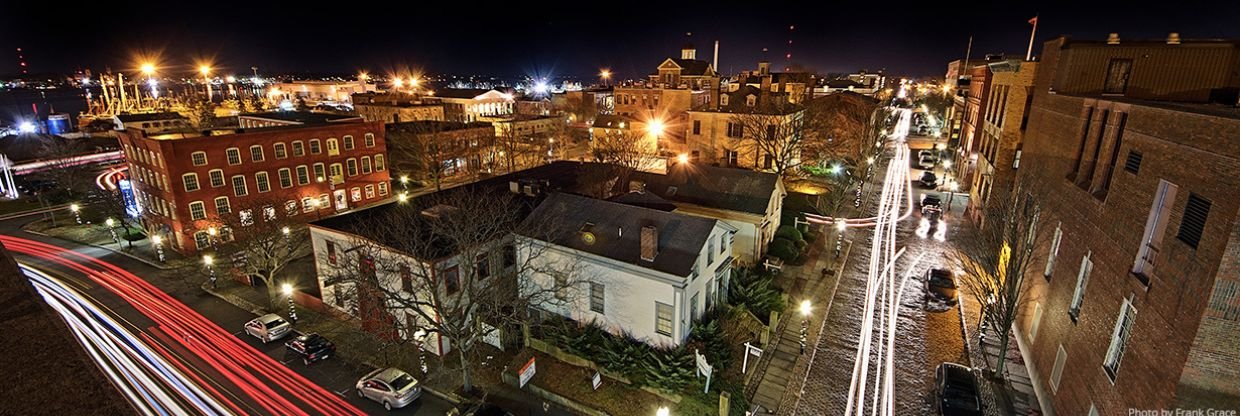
x=789 y=232
x=784 y=248
x=669 y=369
x=756 y=292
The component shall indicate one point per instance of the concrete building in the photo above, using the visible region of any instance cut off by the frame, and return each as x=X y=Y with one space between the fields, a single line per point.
x=187 y=184
x=1131 y=149
x=153 y=123
x=467 y=105
x=997 y=156
x=649 y=273
x=315 y=93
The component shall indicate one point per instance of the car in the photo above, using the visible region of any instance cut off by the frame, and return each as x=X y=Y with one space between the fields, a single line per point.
x=269 y=327
x=955 y=391
x=926 y=162
x=930 y=200
x=392 y=387
x=311 y=348
x=941 y=285
x=928 y=179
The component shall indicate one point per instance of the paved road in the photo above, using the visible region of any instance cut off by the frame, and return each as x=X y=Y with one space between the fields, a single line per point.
x=334 y=375
x=923 y=338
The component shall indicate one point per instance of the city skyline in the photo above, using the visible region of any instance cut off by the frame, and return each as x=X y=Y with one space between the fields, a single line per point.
x=564 y=41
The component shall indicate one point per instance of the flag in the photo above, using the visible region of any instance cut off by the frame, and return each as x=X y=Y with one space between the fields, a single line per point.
x=1034 y=21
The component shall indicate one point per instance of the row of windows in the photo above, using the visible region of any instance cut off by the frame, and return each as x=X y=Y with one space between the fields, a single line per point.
x=142 y=155
x=281 y=151
x=198 y=211
x=216 y=176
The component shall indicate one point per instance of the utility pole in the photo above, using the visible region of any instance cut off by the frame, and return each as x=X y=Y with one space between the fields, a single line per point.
x=1029 y=52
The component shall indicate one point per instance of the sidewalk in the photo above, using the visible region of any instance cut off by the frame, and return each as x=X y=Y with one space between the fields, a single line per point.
x=779 y=366
x=1013 y=395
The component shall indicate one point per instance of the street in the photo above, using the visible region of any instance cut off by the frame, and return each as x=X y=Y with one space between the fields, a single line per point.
x=871 y=357
x=200 y=333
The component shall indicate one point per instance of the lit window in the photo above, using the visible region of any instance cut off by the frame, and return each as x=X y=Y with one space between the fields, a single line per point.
x=197 y=210
x=1119 y=338
x=383 y=188
x=356 y=194
x=290 y=207
x=199 y=158
x=370 y=191
x=247 y=217
x=319 y=174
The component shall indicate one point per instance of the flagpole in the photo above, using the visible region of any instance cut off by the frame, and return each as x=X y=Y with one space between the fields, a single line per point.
x=1029 y=52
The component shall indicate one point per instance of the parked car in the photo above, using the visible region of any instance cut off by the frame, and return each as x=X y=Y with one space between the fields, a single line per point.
x=930 y=202
x=269 y=327
x=941 y=285
x=926 y=162
x=311 y=348
x=392 y=387
x=955 y=391
x=928 y=180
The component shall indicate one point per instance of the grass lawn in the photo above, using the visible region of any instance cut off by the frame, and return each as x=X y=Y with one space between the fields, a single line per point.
x=18 y=205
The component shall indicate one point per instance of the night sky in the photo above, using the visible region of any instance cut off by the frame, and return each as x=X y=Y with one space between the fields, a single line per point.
x=545 y=39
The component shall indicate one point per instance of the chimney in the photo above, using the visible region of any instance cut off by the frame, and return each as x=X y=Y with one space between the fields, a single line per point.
x=650 y=242
x=764 y=68
x=1173 y=38
x=715 y=64
x=1113 y=39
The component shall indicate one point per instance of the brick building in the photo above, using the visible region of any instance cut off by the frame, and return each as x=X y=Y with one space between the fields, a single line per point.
x=1137 y=170
x=186 y=184
x=725 y=136
x=677 y=86
x=1001 y=132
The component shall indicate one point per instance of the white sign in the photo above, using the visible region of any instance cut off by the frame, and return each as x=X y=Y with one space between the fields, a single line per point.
x=490 y=335
x=527 y=372
x=703 y=368
x=597 y=380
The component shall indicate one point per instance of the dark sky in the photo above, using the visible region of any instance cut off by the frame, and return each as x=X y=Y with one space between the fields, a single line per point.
x=541 y=38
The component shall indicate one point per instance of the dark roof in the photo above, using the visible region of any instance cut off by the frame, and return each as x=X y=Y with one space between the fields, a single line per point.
x=645 y=200
x=436 y=126
x=617 y=230
x=610 y=121
x=776 y=103
x=844 y=83
x=692 y=66
x=710 y=186
x=460 y=92
x=558 y=175
x=137 y=118
x=304 y=117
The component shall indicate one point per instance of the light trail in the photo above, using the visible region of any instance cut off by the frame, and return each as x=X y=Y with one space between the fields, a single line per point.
x=273 y=386
x=107 y=180
x=144 y=376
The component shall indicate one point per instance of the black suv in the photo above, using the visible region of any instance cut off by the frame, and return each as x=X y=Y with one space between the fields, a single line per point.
x=955 y=391
x=311 y=347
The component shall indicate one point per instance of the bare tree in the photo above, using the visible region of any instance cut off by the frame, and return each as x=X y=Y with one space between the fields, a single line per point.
x=111 y=204
x=449 y=263
x=773 y=133
x=996 y=256
x=199 y=111
x=431 y=149
x=838 y=127
x=262 y=238
x=66 y=169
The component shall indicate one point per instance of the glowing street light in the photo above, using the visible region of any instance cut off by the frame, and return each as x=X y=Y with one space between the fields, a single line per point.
x=655 y=127
x=209 y=261
x=158 y=241
x=663 y=411
x=148 y=68
x=205 y=70
x=683 y=158
x=805 y=310
x=77 y=212
x=287 y=289
x=398 y=83
x=605 y=74
x=230 y=79
x=402 y=197
x=947 y=164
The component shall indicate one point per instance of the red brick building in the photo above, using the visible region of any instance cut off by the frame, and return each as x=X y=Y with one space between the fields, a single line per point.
x=1133 y=149
x=187 y=184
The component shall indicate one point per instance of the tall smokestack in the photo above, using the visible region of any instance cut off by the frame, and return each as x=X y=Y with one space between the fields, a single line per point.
x=715 y=63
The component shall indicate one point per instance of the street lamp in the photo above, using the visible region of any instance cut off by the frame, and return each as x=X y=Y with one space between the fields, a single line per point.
x=805 y=310
x=158 y=241
x=655 y=127
x=209 y=261
x=292 y=308
x=683 y=158
x=211 y=232
x=840 y=226
x=148 y=69
x=112 y=230
x=402 y=197
x=77 y=212
x=420 y=337
x=605 y=75
x=205 y=70
x=953 y=187
x=663 y=411
x=404 y=181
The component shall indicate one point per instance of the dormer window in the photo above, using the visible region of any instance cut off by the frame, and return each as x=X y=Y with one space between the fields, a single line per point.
x=723 y=100
x=750 y=100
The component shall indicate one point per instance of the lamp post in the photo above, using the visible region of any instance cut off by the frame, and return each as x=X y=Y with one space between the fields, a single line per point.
x=205 y=70
x=209 y=261
x=112 y=230
x=287 y=234
x=605 y=75
x=663 y=411
x=158 y=241
x=805 y=310
x=292 y=307
x=420 y=337
x=953 y=187
x=840 y=226
x=148 y=69
x=404 y=182
x=655 y=127
x=211 y=232
x=77 y=212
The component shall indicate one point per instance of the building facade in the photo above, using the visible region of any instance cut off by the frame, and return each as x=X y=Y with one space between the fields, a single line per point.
x=646 y=273
x=314 y=93
x=1002 y=131
x=1136 y=169
x=467 y=105
x=189 y=185
x=727 y=135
